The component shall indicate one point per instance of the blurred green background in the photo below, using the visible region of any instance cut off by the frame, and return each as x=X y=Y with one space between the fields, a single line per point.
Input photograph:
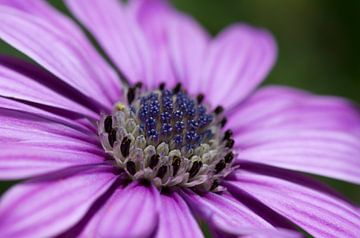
x=319 y=44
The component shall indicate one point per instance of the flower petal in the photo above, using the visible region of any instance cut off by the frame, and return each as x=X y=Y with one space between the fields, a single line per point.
x=69 y=119
x=318 y=213
x=118 y=34
x=295 y=130
x=61 y=51
x=225 y=215
x=24 y=160
x=21 y=126
x=44 y=207
x=176 y=219
x=179 y=41
x=130 y=212
x=237 y=62
x=37 y=87
x=35 y=145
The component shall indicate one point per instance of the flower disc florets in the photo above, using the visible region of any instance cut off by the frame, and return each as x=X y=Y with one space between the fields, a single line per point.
x=168 y=138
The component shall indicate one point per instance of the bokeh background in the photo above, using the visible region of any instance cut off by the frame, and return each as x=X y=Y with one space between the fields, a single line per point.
x=319 y=45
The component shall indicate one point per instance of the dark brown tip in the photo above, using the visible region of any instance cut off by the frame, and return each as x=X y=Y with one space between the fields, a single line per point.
x=112 y=137
x=162 y=171
x=176 y=165
x=130 y=167
x=218 y=110
x=138 y=85
x=195 y=168
x=131 y=95
x=229 y=157
x=227 y=134
x=162 y=86
x=177 y=88
x=154 y=160
x=223 y=122
x=108 y=124
x=229 y=143
x=220 y=166
x=125 y=147
x=200 y=98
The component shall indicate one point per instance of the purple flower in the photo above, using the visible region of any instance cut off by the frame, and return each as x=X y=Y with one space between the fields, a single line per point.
x=140 y=158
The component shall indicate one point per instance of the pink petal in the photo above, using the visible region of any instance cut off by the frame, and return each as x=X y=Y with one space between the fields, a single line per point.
x=318 y=213
x=44 y=207
x=237 y=62
x=22 y=126
x=179 y=42
x=24 y=160
x=118 y=34
x=258 y=232
x=227 y=216
x=176 y=219
x=62 y=117
x=130 y=212
x=275 y=106
x=35 y=145
x=61 y=51
x=295 y=130
x=21 y=87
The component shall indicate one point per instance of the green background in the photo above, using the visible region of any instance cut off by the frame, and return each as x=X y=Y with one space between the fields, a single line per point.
x=318 y=43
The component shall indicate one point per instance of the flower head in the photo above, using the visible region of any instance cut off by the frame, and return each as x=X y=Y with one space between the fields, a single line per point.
x=175 y=132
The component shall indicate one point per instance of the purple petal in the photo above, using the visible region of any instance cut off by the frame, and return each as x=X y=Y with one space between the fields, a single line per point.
x=237 y=62
x=45 y=207
x=130 y=212
x=276 y=106
x=60 y=50
x=21 y=87
x=118 y=34
x=226 y=215
x=295 y=130
x=22 y=126
x=23 y=160
x=179 y=42
x=235 y=229
x=34 y=145
x=176 y=219
x=318 y=213
x=69 y=119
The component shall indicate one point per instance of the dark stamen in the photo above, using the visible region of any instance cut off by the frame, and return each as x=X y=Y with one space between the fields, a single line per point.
x=177 y=88
x=154 y=160
x=162 y=86
x=229 y=157
x=218 y=110
x=112 y=137
x=195 y=168
x=214 y=185
x=130 y=166
x=131 y=95
x=228 y=134
x=200 y=98
x=220 y=166
x=176 y=165
x=125 y=147
x=162 y=171
x=108 y=124
x=138 y=85
x=223 y=122
x=229 y=143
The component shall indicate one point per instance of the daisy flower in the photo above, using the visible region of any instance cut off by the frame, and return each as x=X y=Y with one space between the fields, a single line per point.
x=175 y=132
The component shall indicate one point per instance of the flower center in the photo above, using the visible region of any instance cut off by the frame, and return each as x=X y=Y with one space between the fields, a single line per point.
x=169 y=138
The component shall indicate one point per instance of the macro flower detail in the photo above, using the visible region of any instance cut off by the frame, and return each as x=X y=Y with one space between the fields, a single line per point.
x=173 y=133
x=168 y=138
